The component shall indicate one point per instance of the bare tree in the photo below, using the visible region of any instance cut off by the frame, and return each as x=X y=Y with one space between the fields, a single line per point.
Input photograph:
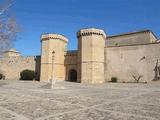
x=137 y=78
x=136 y=75
x=8 y=26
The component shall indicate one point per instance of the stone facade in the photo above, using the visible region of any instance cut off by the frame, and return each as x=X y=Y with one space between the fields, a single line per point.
x=99 y=58
x=125 y=62
x=71 y=63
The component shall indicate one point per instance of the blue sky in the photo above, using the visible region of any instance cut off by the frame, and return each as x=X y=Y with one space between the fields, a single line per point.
x=68 y=16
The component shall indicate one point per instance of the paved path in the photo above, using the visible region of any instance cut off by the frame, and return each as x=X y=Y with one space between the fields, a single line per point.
x=21 y=100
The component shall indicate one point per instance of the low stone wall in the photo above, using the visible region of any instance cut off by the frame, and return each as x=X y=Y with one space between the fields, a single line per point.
x=12 y=66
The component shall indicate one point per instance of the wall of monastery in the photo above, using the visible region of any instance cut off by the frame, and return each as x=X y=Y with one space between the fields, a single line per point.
x=12 y=66
x=127 y=61
x=142 y=37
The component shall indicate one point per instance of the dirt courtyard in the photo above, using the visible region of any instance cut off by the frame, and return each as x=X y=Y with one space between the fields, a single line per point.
x=21 y=100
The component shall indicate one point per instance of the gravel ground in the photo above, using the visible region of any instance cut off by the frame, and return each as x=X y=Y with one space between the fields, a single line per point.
x=21 y=100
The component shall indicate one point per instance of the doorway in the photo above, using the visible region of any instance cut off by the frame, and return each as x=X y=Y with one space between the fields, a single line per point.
x=72 y=75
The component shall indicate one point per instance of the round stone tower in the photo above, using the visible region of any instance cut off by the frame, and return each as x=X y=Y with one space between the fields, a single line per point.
x=91 y=44
x=52 y=57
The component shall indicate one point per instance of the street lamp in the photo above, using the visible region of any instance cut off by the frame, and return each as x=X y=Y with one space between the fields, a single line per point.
x=53 y=81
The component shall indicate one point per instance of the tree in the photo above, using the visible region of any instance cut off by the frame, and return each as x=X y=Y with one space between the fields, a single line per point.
x=27 y=75
x=136 y=75
x=8 y=26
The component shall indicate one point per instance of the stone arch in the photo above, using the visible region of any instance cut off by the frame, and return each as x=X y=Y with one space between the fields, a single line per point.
x=72 y=75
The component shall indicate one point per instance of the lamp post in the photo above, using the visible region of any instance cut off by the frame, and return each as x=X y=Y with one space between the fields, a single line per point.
x=53 y=81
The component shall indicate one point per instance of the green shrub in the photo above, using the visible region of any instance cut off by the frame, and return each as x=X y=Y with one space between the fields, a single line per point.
x=27 y=75
x=1 y=76
x=114 y=79
x=116 y=44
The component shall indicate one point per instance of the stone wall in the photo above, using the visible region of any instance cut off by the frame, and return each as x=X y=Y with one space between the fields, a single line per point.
x=127 y=61
x=12 y=66
x=70 y=63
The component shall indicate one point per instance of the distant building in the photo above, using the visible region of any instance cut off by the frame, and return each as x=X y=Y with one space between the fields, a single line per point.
x=11 y=53
x=99 y=58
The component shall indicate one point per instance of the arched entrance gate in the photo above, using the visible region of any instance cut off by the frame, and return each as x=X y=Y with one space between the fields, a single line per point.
x=72 y=75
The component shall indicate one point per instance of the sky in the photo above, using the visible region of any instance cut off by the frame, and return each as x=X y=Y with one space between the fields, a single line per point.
x=66 y=17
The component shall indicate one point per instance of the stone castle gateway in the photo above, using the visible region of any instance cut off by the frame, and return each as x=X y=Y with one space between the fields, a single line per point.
x=99 y=58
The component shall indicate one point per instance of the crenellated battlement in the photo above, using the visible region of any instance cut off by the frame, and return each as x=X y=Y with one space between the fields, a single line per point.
x=53 y=36
x=71 y=53
x=91 y=31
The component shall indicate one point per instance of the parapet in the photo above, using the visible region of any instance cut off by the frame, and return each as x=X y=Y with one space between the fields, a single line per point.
x=91 y=31
x=53 y=36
